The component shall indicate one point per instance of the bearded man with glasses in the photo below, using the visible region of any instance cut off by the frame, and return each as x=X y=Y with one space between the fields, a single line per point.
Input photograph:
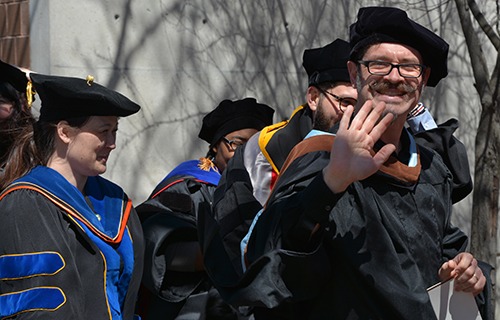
x=247 y=183
x=358 y=224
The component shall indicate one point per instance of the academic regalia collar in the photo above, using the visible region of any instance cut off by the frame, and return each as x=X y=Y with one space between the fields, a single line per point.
x=193 y=168
x=188 y=169
x=406 y=173
x=108 y=200
x=404 y=166
x=276 y=141
x=315 y=132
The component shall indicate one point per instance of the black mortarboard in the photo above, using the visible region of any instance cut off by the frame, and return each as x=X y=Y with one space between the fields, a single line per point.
x=232 y=116
x=383 y=24
x=13 y=75
x=328 y=63
x=67 y=97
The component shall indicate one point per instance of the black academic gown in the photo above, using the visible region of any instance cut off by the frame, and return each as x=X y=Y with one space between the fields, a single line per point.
x=454 y=154
x=30 y=223
x=169 y=217
x=234 y=206
x=222 y=230
x=377 y=248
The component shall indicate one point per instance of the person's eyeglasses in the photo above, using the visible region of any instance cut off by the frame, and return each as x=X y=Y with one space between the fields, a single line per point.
x=383 y=68
x=343 y=102
x=233 y=144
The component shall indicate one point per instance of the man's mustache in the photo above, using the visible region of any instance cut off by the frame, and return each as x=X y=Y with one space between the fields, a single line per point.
x=382 y=86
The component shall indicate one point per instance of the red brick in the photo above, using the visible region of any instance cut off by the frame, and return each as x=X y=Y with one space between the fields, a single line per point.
x=3 y=21
x=14 y=32
x=14 y=19
x=23 y=51
x=25 y=18
x=8 y=50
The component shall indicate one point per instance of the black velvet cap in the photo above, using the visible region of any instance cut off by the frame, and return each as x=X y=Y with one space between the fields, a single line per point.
x=328 y=63
x=13 y=75
x=235 y=115
x=385 y=24
x=67 y=97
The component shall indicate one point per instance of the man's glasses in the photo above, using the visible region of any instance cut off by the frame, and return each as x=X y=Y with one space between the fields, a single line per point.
x=343 y=102
x=383 y=68
x=233 y=144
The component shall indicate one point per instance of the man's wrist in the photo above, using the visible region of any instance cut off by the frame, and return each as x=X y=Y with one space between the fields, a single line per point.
x=336 y=185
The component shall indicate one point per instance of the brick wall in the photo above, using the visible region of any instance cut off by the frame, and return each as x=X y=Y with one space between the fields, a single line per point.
x=14 y=32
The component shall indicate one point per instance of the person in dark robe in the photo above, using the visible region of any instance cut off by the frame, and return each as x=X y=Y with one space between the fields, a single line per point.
x=251 y=173
x=358 y=223
x=72 y=245
x=175 y=284
x=246 y=184
x=15 y=112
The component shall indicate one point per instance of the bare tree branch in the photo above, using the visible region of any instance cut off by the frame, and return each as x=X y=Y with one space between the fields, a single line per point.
x=483 y=23
x=479 y=66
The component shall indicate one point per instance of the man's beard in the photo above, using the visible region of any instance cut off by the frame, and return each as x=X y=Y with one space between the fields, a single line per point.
x=321 y=121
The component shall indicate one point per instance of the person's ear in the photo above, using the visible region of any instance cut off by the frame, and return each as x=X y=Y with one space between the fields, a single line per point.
x=215 y=148
x=352 y=67
x=312 y=97
x=64 y=131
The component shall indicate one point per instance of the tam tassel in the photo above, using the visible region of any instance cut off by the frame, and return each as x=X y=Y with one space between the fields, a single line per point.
x=29 y=93
x=206 y=164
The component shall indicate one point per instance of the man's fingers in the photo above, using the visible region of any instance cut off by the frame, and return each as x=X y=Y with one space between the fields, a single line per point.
x=381 y=126
x=346 y=118
x=447 y=270
x=383 y=154
x=373 y=117
x=471 y=281
x=464 y=261
x=360 y=117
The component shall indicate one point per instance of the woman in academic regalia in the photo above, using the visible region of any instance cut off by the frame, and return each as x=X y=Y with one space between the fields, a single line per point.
x=175 y=284
x=72 y=244
x=15 y=114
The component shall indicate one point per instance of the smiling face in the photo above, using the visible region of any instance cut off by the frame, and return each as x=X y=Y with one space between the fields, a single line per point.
x=91 y=145
x=399 y=93
x=83 y=151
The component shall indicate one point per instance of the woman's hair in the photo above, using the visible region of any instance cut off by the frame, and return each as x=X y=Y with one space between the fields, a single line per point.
x=20 y=118
x=211 y=152
x=34 y=146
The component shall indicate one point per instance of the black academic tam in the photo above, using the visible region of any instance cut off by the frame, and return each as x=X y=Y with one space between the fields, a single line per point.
x=67 y=97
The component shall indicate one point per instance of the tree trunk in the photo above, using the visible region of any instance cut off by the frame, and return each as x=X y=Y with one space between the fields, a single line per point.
x=487 y=143
x=486 y=191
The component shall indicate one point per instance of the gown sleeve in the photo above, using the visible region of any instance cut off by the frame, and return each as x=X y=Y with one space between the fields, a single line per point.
x=39 y=276
x=454 y=154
